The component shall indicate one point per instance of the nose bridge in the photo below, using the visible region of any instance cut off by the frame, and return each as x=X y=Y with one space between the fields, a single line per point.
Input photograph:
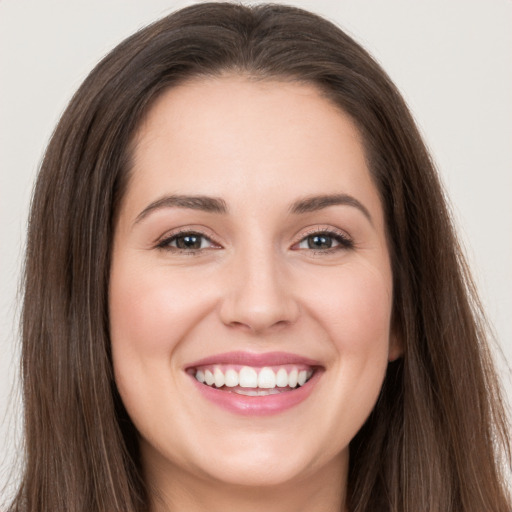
x=259 y=294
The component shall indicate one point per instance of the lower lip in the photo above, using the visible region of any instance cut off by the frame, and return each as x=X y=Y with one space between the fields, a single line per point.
x=258 y=405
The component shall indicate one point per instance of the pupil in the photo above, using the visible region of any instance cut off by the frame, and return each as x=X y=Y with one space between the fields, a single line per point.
x=319 y=242
x=189 y=242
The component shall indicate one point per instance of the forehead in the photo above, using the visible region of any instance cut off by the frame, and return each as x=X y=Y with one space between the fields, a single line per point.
x=235 y=137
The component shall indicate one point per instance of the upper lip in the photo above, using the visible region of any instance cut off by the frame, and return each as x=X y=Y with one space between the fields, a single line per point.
x=254 y=359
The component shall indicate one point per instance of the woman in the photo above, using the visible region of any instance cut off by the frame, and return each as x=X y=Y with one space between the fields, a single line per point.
x=243 y=289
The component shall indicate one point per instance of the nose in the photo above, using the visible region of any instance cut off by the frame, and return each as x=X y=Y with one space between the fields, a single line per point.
x=258 y=294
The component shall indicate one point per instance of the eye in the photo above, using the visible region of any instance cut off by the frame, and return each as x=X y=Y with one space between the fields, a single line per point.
x=187 y=241
x=325 y=241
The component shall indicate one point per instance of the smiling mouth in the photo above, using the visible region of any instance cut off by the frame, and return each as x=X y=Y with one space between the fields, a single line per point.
x=253 y=381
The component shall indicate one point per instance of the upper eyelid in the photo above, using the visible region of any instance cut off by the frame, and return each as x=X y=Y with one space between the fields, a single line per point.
x=169 y=236
x=345 y=240
x=184 y=233
x=322 y=229
x=164 y=243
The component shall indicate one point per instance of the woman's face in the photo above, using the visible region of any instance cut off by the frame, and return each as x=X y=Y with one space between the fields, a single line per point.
x=250 y=253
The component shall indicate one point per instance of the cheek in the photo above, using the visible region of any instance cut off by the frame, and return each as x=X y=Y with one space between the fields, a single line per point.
x=354 y=310
x=354 y=305
x=150 y=314
x=356 y=313
x=150 y=311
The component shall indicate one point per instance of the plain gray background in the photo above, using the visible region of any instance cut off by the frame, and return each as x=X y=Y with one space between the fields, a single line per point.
x=451 y=60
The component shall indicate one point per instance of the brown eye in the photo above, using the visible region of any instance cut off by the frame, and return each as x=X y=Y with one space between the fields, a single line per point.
x=319 y=241
x=325 y=241
x=187 y=242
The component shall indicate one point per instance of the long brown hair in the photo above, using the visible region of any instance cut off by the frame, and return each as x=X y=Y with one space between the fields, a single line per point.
x=434 y=439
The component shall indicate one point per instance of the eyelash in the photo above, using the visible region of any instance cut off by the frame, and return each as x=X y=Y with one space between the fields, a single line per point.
x=343 y=240
x=165 y=243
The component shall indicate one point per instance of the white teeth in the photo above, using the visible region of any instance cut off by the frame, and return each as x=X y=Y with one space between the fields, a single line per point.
x=248 y=377
x=219 y=378
x=263 y=383
x=256 y=392
x=247 y=392
x=231 y=378
x=282 y=378
x=208 y=377
x=266 y=378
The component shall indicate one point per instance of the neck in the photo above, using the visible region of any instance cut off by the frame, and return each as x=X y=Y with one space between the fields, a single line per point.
x=322 y=491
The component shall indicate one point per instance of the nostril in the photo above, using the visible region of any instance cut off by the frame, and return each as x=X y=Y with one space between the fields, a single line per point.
x=259 y=306
x=259 y=325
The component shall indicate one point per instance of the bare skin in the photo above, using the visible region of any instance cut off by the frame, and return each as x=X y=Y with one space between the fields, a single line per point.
x=266 y=269
x=308 y=494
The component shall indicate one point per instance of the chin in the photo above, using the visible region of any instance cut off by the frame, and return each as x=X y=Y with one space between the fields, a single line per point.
x=264 y=472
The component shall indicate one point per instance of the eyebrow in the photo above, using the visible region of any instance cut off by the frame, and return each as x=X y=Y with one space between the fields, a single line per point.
x=315 y=203
x=203 y=203
x=219 y=206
